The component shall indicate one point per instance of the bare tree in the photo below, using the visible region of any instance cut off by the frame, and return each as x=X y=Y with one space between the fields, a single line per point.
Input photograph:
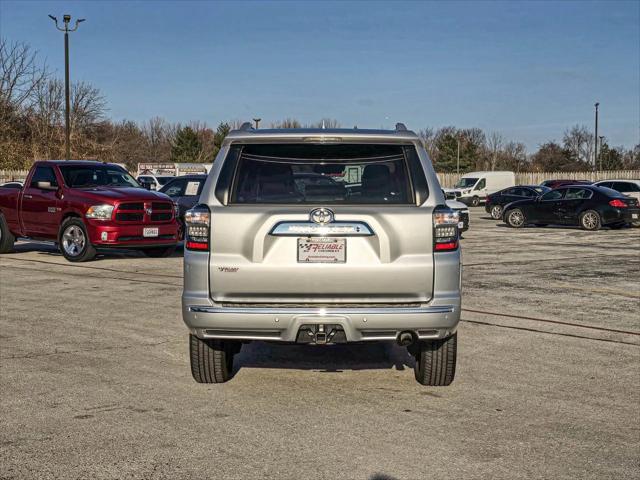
x=578 y=140
x=20 y=73
x=88 y=106
x=46 y=119
x=47 y=112
x=287 y=123
x=157 y=134
x=326 y=123
x=494 y=145
x=513 y=157
x=428 y=137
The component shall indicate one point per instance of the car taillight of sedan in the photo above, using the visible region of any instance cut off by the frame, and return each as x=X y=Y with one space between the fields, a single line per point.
x=618 y=203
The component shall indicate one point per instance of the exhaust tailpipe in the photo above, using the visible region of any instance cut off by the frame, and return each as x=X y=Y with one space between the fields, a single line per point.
x=406 y=338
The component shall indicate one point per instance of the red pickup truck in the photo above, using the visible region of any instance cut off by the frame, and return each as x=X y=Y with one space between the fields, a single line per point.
x=85 y=206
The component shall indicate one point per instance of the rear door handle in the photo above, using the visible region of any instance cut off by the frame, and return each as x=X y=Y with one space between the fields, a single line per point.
x=27 y=196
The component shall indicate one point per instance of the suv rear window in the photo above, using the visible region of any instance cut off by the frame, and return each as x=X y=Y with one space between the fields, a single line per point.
x=321 y=173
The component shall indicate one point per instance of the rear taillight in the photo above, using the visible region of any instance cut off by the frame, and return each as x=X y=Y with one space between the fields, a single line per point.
x=618 y=203
x=445 y=230
x=488 y=200
x=197 y=223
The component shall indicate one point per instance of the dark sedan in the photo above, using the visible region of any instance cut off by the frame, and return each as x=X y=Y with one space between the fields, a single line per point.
x=184 y=191
x=587 y=206
x=495 y=202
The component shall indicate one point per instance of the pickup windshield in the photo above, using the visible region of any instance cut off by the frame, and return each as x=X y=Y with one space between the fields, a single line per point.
x=86 y=176
x=466 y=182
x=310 y=173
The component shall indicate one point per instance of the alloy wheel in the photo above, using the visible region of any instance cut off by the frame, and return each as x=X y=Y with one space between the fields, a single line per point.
x=589 y=220
x=516 y=218
x=73 y=241
x=496 y=212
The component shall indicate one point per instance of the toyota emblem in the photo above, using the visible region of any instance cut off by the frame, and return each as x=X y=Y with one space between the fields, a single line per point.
x=321 y=216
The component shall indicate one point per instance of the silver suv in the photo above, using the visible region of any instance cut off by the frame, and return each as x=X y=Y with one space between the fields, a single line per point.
x=322 y=237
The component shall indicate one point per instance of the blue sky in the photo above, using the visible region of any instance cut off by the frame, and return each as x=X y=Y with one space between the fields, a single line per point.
x=526 y=70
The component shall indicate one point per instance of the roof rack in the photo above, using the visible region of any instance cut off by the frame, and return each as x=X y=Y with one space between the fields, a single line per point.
x=246 y=127
x=401 y=127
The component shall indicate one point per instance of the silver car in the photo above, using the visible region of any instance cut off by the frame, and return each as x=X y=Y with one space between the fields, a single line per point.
x=275 y=253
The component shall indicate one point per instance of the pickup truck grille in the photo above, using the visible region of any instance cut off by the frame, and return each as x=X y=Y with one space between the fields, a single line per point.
x=160 y=217
x=138 y=212
x=129 y=217
x=131 y=206
x=161 y=206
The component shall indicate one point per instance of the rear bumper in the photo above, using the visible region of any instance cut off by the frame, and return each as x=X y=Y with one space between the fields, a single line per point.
x=437 y=318
x=618 y=215
x=110 y=235
x=282 y=324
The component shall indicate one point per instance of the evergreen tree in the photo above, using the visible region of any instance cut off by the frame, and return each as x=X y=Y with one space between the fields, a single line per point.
x=186 y=146
x=218 y=137
x=611 y=158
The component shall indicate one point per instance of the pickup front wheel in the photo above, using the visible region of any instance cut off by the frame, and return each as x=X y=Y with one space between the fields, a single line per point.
x=212 y=360
x=6 y=237
x=436 y=361
x=74 y=242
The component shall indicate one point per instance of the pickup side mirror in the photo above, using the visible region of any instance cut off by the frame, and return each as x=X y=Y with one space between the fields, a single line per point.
x=46 y=186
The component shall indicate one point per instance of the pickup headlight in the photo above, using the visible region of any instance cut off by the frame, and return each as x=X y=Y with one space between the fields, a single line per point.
x=100 y=212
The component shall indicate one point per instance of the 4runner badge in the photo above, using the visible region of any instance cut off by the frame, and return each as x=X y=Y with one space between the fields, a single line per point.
x=228 y=269
x=321 y=215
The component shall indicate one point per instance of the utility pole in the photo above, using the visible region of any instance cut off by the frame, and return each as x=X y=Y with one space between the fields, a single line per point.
x=601 y=142
x=67 y=102
x=595 y=156
x=257 y=120
x=458 y=162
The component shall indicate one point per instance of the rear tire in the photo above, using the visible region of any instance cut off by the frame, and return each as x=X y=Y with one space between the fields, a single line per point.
x=212 y=360
x=436 y=361
x=73 y=241
x=475 y=201
x=6 y=237
x=159 y=252
x=590 y=220
x=515 y=218
x=496 y=212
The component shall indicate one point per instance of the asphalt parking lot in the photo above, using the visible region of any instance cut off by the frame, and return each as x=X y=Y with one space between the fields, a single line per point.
x=95 y=377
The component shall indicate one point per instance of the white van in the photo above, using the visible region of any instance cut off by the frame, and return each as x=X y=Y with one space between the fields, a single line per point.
x=473 y=187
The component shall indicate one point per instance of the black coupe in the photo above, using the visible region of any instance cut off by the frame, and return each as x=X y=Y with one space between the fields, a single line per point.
x=587 y=206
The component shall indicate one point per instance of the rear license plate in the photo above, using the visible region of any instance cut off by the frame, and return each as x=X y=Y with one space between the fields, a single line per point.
x=322 y=250
x=150 y=232
x=634 y=215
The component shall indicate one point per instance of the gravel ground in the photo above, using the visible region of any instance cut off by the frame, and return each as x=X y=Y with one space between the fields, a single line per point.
x=95 y=380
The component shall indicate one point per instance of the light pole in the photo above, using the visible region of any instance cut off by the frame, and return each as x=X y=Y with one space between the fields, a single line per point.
x=65 y=20
x=458 y=161
x=257 y=120
x=595 y=157
x=601 y=141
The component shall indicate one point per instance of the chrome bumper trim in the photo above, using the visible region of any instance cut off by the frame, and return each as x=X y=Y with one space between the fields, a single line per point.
x=310 y=229
x=322 y=311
